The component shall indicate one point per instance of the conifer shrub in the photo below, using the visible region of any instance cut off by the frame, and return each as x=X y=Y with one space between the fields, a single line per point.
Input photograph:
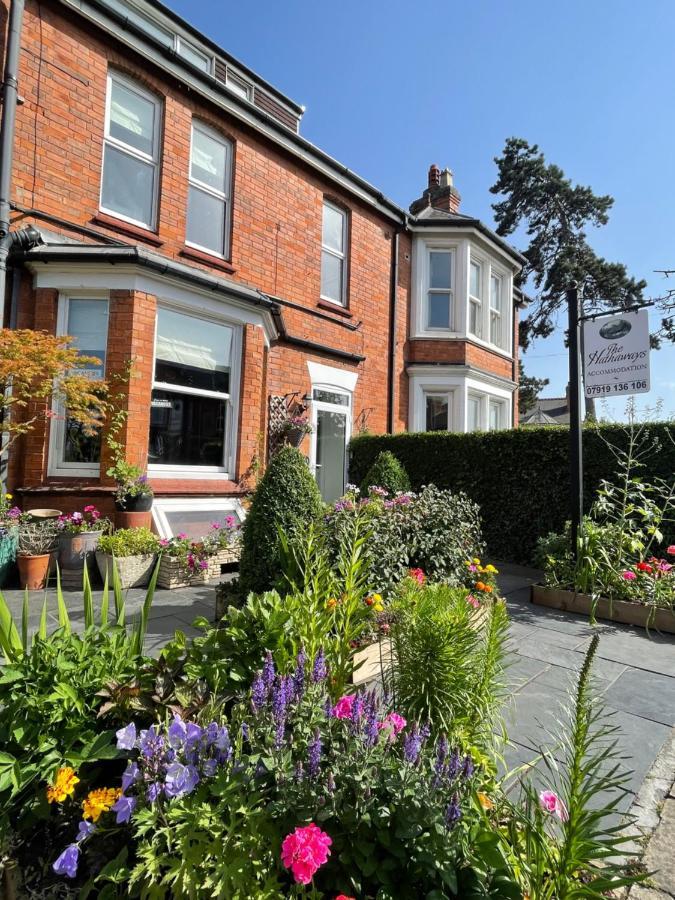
x=286 y=498
x=388 y=473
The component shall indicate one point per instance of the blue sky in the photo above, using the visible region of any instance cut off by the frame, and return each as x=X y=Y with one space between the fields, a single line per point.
x=391 y=87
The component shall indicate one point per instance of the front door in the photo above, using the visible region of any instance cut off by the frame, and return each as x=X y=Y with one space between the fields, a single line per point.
x=331 y=415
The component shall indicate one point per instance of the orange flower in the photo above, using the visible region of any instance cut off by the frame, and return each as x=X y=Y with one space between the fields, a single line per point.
x=332 y=603
x=480 y=586
x=64 y=785
x=485 y=801
x=99 y=801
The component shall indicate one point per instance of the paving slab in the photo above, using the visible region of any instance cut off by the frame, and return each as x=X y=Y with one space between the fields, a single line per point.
x=646 y=694
x=660 y=854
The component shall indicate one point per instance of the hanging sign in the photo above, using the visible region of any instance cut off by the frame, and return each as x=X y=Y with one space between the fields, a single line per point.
x=616 y=354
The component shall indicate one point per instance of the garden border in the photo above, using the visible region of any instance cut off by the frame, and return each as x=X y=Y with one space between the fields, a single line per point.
x=620 y=611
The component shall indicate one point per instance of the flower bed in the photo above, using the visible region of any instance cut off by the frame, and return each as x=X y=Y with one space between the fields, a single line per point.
x=622 y=611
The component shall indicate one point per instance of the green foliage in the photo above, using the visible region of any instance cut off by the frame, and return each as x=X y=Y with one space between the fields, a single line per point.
x=286 y=498
x=518 y=478
x=556 y=213
x=388 y=473
x=529 y=389
x=448 y=660
x=129 y=542
x=435 y=530
x=577 y=853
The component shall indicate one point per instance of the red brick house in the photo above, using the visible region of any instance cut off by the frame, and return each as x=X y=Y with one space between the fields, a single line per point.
x=186 y=225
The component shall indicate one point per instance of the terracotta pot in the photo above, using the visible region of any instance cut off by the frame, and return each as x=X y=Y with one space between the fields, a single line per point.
x=33 y=571
x=128 y=519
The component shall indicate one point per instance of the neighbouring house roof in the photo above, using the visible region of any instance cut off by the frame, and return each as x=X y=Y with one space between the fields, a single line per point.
x=553 y=411
x=431 y=217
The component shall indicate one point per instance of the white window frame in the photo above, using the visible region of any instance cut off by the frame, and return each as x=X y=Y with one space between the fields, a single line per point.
x=214 y=192
x=225 y=471
x=501 y=406
x=325 y=406
x=446 y=395
x=238 y=85
x=449 y=290
x=458 y=383
x=208 y=59
x=163 y=505
x=343 y=257
x=149 y=159
x=474 y=300
x=480 y=399
x=56 y=466
x=493 y=311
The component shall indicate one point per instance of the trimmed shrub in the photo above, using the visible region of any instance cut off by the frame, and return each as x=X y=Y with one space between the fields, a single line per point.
x=519 y=478
x=287 y=498
x=388 y=473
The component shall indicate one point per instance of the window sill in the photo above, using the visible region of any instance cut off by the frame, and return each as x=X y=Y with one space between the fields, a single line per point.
x=335 y=308
x=214 y=261
x=183 y=487
x=136 y=231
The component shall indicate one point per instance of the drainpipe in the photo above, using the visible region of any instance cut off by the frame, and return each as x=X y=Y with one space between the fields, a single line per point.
x=26 y=237
x=393 y=324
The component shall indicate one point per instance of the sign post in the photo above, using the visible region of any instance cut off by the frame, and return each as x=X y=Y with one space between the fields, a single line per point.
x=576 y=455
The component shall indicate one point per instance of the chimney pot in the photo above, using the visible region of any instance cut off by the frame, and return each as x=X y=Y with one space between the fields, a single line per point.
x=434 y=176
x=446 y=178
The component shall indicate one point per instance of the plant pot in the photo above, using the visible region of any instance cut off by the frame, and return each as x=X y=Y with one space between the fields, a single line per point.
x=134 y=571
x=139 y=503
x=7 y=553
x=641 y=614
x=126 y=519
x=33 y=571
x=77 y=549
x=173 y=573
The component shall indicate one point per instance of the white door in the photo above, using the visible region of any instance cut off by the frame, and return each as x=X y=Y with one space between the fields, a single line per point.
x=331 y=424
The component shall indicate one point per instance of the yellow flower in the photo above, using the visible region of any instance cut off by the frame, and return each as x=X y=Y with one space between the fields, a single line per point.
x=64 y=785
x=490 y=568
x=379 y=607
x=485 y=801
x=332 y=603
x=99 y=801
x=8 y=496
x=476 y=561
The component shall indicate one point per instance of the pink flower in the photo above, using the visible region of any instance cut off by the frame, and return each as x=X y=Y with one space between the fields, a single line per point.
x=395 y=722
x=343 y=708
x=203 y=564
x=181 y=536
x=304 y=851
x=473 y=601
x=163 y=542
x=628 y=575
x=215 y=525
x=90 y=509
x=230 y=522
x=473 y=568
x=418 y=575
x=550 y=802
x=671 y=550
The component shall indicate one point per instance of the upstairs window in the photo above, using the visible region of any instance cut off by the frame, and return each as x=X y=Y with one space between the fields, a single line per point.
x=131 y=152
x=237 y=85
x=193 y=55
x=334 y=254
x=440 y=311
x=208 y=214
x=496 y=323
x=475 y=299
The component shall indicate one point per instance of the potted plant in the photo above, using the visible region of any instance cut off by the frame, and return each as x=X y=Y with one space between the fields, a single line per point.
x=10 y=517
x=293 y=429
x=224 y=540
x=36 y=540
x=133 y=495
x=184 y=562
x=79 y=534
x=133 y=551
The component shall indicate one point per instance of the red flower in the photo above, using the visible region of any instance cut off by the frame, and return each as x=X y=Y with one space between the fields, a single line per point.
x=418 y=575
x=644 y=567
x=344 y=897
x=671 y=550
x=304 y=851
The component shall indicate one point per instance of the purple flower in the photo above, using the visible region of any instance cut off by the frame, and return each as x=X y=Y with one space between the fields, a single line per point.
x=151 y=742
x=153 y=792
x=412 y=745
x=124 y=808
x=203 y=564
x=194 y=735
x=454 y=764
x=66 y=864
x=320 y=669
x=177 y=733
x=180 y=780
x=211 y=733
x=453 y=812
x=281 y=695
x=130 y=775
x=279 y=734
x=299 y=675
x=314 y=754
x=126 y=737
x=259 y=693
x=209 y=767
x=468 y=767
x=84 y=830
x=13 y=513
x=268 y=672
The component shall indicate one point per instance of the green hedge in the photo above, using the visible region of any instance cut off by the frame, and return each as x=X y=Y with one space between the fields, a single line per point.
x=519 y=478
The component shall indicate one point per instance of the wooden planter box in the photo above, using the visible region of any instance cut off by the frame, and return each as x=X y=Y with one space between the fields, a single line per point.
x=174 y=575
x=614 y=611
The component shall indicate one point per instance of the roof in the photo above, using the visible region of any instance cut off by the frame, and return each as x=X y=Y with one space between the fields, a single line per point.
x=553 y=411
x=430 y=217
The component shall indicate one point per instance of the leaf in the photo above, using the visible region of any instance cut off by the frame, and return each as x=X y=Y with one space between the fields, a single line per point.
x=87 y=598
x=105 y=600
x=64 y=619
x=42 y=630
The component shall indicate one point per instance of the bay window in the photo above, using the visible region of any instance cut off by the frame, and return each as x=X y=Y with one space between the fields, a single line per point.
x=496 y=324
x=208 y=212
x=437 y=412
x=440 y=306
x=334 y=254
x=191 y=427
x=85 y=319
x=496 y=415
x=131 y=151
x=473 y=413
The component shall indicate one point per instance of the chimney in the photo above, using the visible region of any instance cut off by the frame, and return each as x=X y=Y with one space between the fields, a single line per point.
x=440 y=193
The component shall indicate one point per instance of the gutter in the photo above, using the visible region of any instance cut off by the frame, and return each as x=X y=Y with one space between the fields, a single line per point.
x=393 y=324
x=475 y=224
x=314 y=346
